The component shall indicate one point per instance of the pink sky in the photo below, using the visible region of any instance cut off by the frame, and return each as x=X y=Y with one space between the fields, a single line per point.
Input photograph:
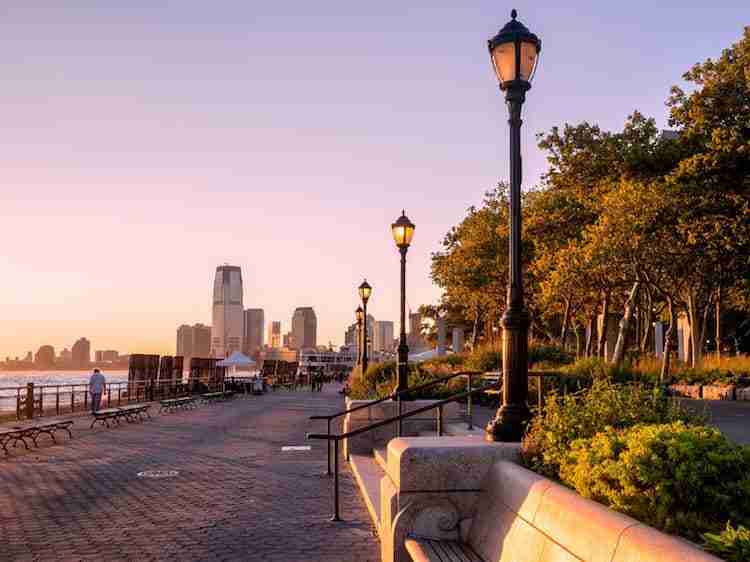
x=142 y=145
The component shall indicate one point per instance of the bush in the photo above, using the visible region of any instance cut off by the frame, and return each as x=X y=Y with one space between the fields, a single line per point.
x=553 y=355
x=484 y=359
x=674 y=477
x=733 y=545
x=563 y=419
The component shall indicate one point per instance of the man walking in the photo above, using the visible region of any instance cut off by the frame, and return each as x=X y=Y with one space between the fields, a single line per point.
x=96 y=389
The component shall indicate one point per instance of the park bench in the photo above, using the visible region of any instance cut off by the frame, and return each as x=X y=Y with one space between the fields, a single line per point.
x=19 y=434
x=174 y=404
x=520 y=515
x=129 y=413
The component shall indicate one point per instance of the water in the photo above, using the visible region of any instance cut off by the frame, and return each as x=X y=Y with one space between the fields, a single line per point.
x=20 y=378
x=9 y=380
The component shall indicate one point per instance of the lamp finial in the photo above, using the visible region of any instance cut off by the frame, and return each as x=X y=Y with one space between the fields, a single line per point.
x=513 y=13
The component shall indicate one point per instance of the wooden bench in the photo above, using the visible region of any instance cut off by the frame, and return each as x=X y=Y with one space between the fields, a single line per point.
x=131 y=413
x=521 y=516
x=174 y=404
x=19 y=434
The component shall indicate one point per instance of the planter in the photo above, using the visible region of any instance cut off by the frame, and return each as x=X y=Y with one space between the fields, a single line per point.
x=685 y=390
x=718 y=392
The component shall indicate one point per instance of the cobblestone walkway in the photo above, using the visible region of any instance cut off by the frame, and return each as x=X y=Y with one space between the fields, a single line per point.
x=237 y=495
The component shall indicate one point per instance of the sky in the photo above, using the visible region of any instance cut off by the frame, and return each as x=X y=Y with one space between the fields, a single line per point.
x=143 y=143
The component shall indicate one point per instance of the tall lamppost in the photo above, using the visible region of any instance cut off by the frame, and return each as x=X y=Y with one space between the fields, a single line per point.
x=359 y=315
x=403 y=232
x=514 y=52
x=364 y=293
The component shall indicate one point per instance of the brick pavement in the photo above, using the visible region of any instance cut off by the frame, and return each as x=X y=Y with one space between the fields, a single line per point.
x=237 y=496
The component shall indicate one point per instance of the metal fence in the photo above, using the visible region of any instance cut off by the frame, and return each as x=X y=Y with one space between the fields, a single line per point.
x=32 y=400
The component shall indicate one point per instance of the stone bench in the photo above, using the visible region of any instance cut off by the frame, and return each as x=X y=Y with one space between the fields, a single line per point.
x=509 y=515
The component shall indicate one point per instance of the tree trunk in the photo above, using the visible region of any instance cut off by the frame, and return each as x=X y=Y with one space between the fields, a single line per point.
x=566 y=321
x=669 y=342
x=577 y=332
x=590 y=334
x=647 y=323
x=704 y=322
x=619 y=352
x=695 y=342
x=718 y=324
x=601 y=344
x=475 y=329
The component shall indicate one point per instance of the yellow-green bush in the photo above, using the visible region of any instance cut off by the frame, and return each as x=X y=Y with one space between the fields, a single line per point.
x=583 y=414
x=681 y=479
x=733 y=545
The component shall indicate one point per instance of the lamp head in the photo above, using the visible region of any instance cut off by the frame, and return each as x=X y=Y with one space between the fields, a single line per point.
x=514 y=52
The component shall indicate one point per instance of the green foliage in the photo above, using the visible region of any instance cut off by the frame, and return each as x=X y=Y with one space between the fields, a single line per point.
x=484 y=359
x=549 y=354
x=677 y=478
x=563 y=419
x=368 y=385
x=733 y=545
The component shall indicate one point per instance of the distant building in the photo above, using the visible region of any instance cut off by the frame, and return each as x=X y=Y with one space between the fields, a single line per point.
x=304 y=328
x=81 y=353
x=415 y=339
x=351 y=336
x=201 y=345
x=45 y=356
x=110 y=356
x=66 y=355
x=278 y=354
x=253 y=330
x=185 y=341
x=287 y=340
x=274 y=334
x=228 y=317
x=29 y=356
x=383 y=336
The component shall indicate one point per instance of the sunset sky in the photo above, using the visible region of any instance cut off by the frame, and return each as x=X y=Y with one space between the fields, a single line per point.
x=143 y=143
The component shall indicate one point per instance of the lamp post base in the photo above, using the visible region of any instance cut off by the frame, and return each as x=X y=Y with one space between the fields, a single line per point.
x=508 y=425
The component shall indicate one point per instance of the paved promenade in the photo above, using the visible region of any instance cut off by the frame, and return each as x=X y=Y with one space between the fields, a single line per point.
x=237 y=495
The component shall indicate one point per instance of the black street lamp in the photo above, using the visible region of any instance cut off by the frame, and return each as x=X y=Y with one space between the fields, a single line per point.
x=514 y=52
x=403 y=232
x=364 y=293
x=359 y=314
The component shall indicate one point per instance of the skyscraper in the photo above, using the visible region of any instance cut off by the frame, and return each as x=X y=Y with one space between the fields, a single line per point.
x=383 y=336
x=227 y=329
x=201 y=345
x=185 y=341
x=45 y=356
x=274 y=334
x=254 y=327
x=304 y=328
x=81 y=353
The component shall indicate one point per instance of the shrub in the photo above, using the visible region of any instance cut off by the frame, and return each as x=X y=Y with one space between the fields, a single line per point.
x=677 y=478
x=553 y=355
x=733 y=545
x=484 y=359
x=563 y=419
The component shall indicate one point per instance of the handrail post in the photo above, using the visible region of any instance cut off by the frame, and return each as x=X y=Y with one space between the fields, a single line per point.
x=72 y=398
x=29 y=400
x=440 y=421
x=328 y=448
x=336 y=481
x=18 y=403
x=57 y=401
x=469 y=421
x=400 y=421
x=119 y=394
x=540 y=382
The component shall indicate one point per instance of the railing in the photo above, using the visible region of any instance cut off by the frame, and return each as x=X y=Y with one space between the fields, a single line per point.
x=397 y=396
x=468 y=394
x=55 y=399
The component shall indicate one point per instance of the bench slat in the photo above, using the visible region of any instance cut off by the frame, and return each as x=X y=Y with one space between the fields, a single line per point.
x=431 y=550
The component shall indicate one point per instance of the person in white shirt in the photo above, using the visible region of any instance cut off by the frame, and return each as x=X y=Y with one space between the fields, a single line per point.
x=96 y=389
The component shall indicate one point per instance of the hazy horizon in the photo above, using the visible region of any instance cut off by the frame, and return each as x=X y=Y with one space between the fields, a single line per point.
x=144 y=144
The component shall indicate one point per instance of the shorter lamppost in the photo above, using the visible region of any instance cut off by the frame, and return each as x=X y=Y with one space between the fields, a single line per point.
x=364 y=293
x=403 y=232
x=359 y=314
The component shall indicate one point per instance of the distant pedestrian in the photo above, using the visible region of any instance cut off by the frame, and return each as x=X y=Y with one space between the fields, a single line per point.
x=96 y=389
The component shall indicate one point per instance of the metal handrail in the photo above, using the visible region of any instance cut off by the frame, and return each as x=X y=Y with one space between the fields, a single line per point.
x=396 y=394
x=336 y=438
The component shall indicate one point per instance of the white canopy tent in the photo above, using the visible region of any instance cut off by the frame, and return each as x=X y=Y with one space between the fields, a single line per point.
x=238 y=362
x=426 y=355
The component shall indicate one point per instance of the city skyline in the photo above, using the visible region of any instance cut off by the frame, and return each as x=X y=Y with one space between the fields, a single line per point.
x=158 y=142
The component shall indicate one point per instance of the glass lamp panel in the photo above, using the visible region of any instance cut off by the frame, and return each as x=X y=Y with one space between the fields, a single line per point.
x=504 y=61
x=408 y=234
x=399 y=234
x=529 y=57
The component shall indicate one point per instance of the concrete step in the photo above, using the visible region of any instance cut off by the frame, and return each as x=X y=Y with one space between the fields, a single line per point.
x=460 y=429
x=381 y=457
x=367 y=473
